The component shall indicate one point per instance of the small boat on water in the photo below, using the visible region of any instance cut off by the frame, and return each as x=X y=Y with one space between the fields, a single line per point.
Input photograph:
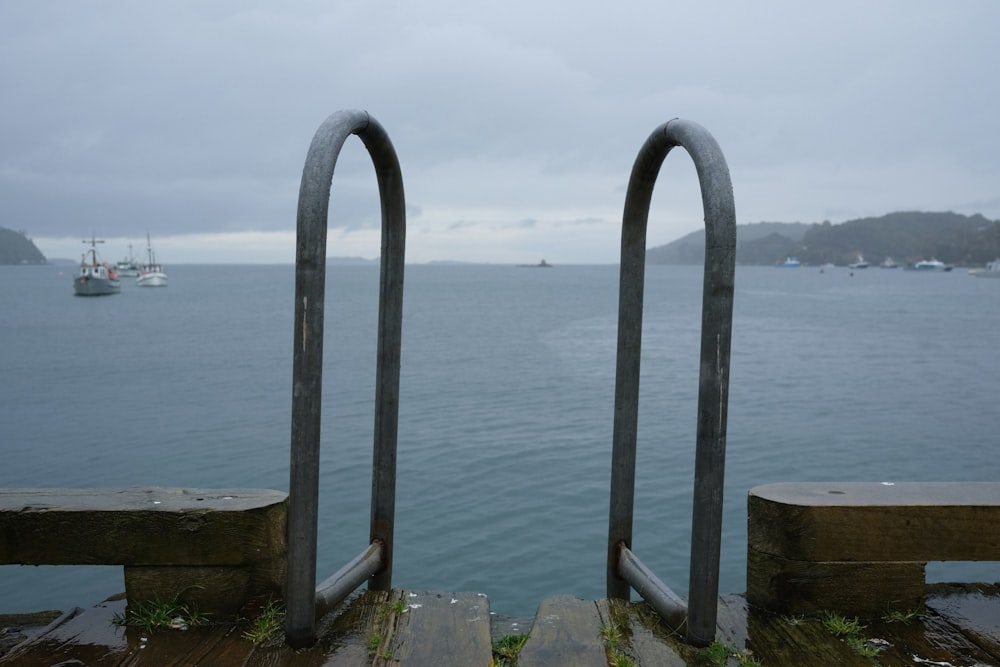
x=127 y=267
x=541 y=265
x=790 y=263
x=151 y=274
x=860 y=264
x=95 y=277
x=888 y=263
x=931 y=265
x=992 y=270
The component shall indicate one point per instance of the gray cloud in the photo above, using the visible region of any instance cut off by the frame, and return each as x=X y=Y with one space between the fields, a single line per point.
x=186 y=118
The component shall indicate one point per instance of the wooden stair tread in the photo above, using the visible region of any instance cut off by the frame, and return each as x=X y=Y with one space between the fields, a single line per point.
x=413 y=629
x=566 y=632
x=439 y=629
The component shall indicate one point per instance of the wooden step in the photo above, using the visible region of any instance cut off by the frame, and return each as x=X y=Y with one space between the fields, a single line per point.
x=569 y=632
x=566 y=633
x=437 y=629
x=958 y=626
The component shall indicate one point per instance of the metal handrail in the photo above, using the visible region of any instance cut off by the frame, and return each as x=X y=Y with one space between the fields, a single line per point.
x=303 y=600
x=625 y=571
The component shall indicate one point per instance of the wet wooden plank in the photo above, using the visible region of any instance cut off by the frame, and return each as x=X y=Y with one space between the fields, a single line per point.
x=961 y=626
x=81 y=634
x=785 y=641
x=91 y=637
x=566 y=633
x=350 y=635
x=437 y=629
x=925 y=640
x=731 y=621
x=641 y=635
x=972 y=609
x=900 y=640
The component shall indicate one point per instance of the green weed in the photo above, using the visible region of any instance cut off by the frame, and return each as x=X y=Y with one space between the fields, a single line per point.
x=506 y=648
x=904 y=617
x=841 y=626
x=267 y=625
x=160 y=614
x=849 y=629
x=719 y=654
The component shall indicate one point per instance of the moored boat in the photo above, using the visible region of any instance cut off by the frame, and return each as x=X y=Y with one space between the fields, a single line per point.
x=992 y=270
x=95 y=277
x=790 y=263
x=860 y=264
x=931 y=265
x=127 y=267
x=151 y=274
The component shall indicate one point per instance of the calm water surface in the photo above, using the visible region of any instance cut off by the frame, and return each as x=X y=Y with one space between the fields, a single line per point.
x=507 y=392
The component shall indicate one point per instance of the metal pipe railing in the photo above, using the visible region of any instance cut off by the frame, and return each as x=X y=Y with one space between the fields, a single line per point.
x=713 y=393
x=307 y=372
x=341 y=583
x=666 y=603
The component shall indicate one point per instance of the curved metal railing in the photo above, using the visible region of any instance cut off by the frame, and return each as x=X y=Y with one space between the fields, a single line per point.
x=303 y=599
x=625 y=570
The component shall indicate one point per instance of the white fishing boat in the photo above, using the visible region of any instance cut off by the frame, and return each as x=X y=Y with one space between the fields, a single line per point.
x=95 y=277
x=860 y=264
x=789 y=263
x=931 y=265
x=127 y=267
x=992 y=270
x=151 y=274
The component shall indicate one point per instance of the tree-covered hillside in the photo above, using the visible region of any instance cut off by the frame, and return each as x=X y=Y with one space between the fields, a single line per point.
x=17 y=248
x=905 y=237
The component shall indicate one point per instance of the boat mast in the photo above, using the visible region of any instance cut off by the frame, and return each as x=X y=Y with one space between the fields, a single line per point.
x=93 y=248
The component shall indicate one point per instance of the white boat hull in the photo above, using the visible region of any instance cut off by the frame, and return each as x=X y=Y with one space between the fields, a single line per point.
x=152 y=279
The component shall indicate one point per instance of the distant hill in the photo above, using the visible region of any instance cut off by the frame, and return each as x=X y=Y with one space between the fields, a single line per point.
x=905 y=237
x=17 y=248
x=351 y=261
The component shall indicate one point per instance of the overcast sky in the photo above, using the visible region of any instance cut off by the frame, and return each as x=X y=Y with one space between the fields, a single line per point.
x=516 y=123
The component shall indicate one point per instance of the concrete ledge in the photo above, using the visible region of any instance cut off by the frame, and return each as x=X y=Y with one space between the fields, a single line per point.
x=218 y=547
x=860 y=548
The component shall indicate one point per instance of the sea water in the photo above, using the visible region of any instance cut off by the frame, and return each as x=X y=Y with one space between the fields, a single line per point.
x=506 y=405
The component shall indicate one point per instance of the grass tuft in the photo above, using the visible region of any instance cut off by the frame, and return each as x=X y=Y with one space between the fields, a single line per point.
x=849 y=629
x=719 y=654
x=904 y=617
x=161 y=614
x=267 y=625
x=506 y=648
x=841 y=626
x=612 y=636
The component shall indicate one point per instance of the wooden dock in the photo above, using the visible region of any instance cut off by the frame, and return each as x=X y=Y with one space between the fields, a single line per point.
x=958 y=627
